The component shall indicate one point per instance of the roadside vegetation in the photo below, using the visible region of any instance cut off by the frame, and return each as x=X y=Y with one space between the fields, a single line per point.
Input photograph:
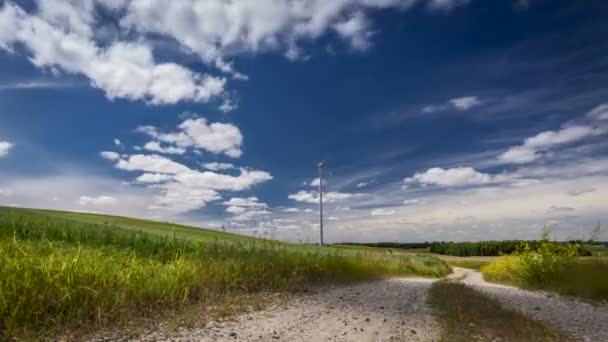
x=468 y=315
x=78 y=271
x=554 y=267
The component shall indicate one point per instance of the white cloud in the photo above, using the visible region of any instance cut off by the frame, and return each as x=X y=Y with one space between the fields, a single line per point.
x=446 y=5
x=154 y=178
x=519 y=155
x=110 y=155
x=599 y=113
x=215 y=166
x=6 y=192
x=465 y=103
x=563 y=136
x=460 y=104
x=5 y=147
x=291 y=210
x=532 y=147
x=183 y=189
x=411 y=201
x=215 y=30
x=328 y=197
x=198 y=133
x=361 y=184
x=97 y=201
x=37 y=84
x=117 y=142
x=151 y=163
x=356 y=30
x=155 y=146
x=245 y=209
x=315 y=182
x=382 y=212
x=457 y=176
x=121 y=69
x=249 y=202
x=117 y=57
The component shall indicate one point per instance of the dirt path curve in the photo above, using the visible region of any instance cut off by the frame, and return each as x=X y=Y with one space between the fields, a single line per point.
x=387 y=310
x=582 y=320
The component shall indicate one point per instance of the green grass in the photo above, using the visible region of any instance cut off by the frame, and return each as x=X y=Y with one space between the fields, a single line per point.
x=62 y=270
x=468 y=315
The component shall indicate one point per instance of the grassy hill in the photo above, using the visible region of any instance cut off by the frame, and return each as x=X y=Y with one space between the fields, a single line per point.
x=72 y=271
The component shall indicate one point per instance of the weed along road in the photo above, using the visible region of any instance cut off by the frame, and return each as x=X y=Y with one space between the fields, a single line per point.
x=383 y=310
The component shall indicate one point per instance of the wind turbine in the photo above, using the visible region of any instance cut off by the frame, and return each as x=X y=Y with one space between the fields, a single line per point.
x=320 y=166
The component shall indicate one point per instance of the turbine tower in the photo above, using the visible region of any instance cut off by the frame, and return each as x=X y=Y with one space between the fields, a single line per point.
x=320 y=166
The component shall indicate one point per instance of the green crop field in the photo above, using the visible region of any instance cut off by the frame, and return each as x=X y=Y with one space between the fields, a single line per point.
x=64 y=271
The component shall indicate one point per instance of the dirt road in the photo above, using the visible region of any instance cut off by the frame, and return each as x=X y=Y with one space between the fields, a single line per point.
x=387 y=310
x=384 y=310
x=581 y=320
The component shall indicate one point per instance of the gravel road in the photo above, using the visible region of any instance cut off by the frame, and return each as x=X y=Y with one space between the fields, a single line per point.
x=383 y=310
x=581 y=320
x=387 y=310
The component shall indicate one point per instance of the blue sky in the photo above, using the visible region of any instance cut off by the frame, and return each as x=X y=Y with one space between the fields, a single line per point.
x=437 y=119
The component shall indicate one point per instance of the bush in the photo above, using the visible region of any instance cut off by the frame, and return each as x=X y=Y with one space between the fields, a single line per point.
x=530 y=266
x=553 y=267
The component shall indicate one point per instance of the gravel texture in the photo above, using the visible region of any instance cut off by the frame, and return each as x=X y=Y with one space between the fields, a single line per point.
x=583 y=321
x=387 y=310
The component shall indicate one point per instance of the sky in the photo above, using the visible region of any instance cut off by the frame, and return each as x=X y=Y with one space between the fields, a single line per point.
x=437 y=120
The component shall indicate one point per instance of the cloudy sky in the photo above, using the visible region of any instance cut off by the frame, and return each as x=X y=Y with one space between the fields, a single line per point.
x=437 y=119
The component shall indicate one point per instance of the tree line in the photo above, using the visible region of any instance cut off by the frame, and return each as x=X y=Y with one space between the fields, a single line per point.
x=492 y=248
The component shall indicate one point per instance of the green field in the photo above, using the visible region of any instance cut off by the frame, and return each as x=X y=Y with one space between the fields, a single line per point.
x=63 y=271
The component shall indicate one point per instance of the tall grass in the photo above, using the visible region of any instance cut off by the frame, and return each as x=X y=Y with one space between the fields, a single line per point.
x=56 y=273
x=552 y=267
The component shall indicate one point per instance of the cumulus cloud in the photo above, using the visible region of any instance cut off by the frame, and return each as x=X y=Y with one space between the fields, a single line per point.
x=216 y=30
x=532 y=147
x=153 y=178
x=215 y=166
x=155 y=146
x=151 y=163
x=5 y=147
x=328 y=197
x=249 y=202
x=457 y=176
x=315 y=182
x=245 y=209
x=182 y=188
x=109 y=155
x=97 y=201
x=599 y=113
x=117 y=55
x=122 y=69
x=291 y=210
x=198 y=133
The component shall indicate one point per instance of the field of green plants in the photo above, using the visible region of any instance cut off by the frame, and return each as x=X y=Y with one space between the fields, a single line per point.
x=554 y=267
x=62 y=270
